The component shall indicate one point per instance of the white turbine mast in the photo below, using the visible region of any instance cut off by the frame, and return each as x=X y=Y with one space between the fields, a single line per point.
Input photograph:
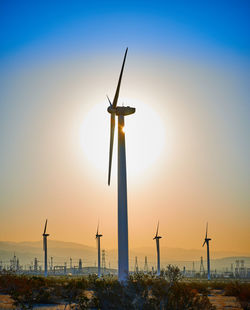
x=120 y=111
x=206 y=240
x=45 y=249
x=98 y=238
x=157 y=239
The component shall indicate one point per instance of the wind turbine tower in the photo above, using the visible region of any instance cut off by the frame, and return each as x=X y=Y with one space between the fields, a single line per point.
x=120 y=112
x=136 y=265
x=206 y=240
x=70 y=264
x=98 y=237
x=45 y=249
x=157 y=239
x=202 y=270
x=103 y=261
x=51 y=263
x=35 y=265
x=146 y=264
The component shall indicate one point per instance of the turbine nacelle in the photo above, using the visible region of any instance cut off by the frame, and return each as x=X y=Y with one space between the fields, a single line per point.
x=157 y=237
x=121 y=110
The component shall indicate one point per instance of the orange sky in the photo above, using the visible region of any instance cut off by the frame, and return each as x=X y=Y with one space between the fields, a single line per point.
x=200 y=175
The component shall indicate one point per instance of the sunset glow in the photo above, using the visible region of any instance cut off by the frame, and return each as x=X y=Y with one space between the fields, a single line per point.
x=147 y=138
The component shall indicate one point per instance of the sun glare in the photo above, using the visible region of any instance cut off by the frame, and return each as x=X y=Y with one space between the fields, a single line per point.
x=145 y=138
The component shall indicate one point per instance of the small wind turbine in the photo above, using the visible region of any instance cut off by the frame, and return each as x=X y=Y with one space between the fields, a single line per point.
x=157 y=239
x=98 y=236
x=120 y=111
x=208 y=257
x=45 y=249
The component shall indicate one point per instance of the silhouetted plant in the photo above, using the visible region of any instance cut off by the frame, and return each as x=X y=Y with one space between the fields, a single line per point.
x=173 y=274
x=143 y=292
x=241 y=291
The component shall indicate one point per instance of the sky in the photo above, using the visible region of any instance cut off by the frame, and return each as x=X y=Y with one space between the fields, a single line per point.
x=188 y=146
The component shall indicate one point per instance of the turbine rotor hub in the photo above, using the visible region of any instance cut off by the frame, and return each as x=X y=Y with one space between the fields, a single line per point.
x=157 y=237
x=111 y=110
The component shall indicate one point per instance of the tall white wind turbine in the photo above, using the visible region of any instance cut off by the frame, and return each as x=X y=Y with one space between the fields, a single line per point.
x=206 y=240
x=157 y=239
x=120 y=111
x=45 y=249
x=98 y=237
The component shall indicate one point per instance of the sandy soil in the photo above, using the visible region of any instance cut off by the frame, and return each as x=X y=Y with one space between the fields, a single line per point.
x=220 y=301
x=216 y=298
x=7 y=303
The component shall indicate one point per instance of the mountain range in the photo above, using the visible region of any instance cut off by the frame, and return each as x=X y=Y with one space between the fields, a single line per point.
x=63 y=251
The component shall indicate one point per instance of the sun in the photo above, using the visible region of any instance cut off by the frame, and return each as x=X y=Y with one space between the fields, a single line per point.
x=145 y=139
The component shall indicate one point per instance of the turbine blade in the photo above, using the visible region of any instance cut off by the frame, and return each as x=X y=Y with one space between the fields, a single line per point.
x=119 y=82
x=206 y=230
x=157 y=229
x=112 y=130
x=97 y=228
x=109 y=101
x=45 y=226
x=204 y=243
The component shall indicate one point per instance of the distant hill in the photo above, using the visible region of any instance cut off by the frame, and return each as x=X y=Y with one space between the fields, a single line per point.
x=62 y=251
x=59 y=250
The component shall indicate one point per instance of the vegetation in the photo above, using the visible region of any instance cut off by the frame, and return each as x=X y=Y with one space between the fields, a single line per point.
x=241 y=291
x=141 y=291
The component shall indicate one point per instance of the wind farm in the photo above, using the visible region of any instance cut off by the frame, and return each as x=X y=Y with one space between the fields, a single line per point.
x=136 y=114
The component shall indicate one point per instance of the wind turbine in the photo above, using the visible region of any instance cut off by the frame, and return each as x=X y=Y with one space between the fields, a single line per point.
x=120 y=111
x=45 y=249
x=208 y=258
x=157 y=239
x=98 y=236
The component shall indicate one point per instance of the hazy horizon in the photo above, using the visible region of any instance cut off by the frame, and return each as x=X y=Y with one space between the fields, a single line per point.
x=93 y=246
x=63 y=251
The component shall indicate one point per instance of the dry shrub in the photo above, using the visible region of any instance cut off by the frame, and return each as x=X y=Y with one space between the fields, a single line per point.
x=241 y=291
x=144 y=292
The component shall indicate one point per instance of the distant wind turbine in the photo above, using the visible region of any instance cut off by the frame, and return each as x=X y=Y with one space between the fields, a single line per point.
x=157 y=239
x=45 y=249
x=208 y=257
x=120 y=111
x=98 y=236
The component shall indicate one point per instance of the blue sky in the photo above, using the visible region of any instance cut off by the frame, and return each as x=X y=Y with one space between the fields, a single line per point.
x=151 y=24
